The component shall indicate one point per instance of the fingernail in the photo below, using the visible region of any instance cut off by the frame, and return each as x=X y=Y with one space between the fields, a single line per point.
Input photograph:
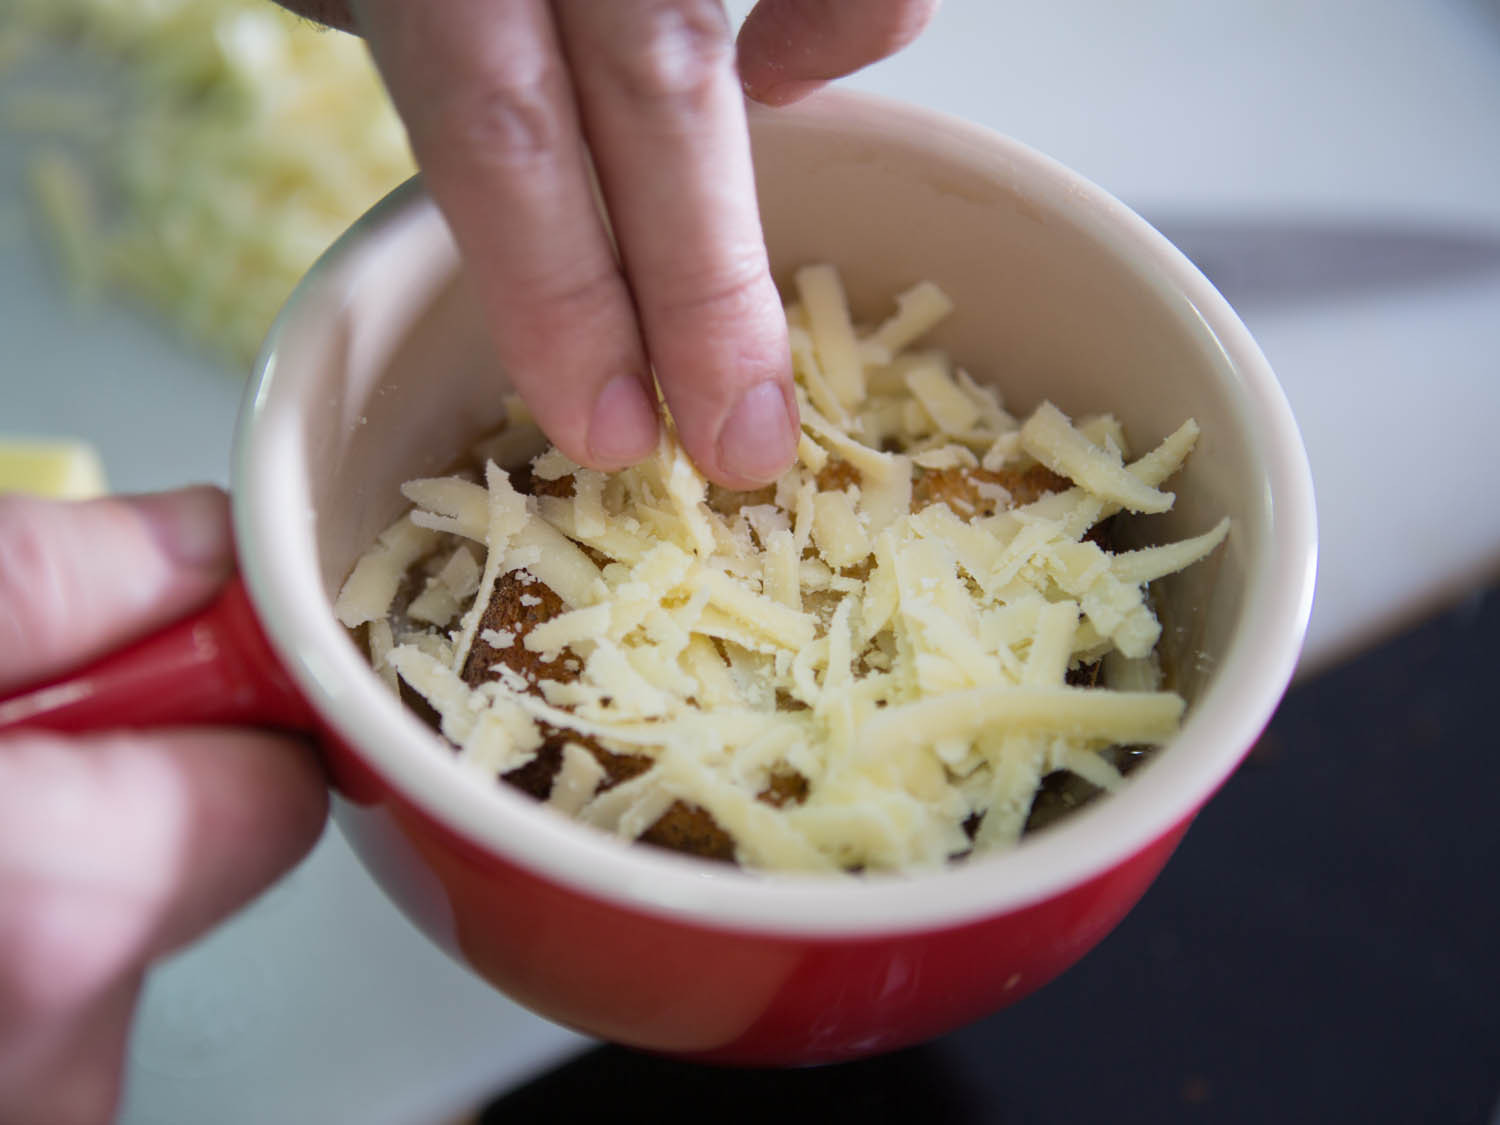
x=759 y=438
x=191 y=525
x=785 y=93
x=623 y=428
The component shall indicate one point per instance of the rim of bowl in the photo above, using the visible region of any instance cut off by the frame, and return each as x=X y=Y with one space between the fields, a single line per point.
x=1218 y=730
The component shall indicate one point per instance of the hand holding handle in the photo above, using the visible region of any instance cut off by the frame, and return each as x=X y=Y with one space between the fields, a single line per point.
x=214 y=666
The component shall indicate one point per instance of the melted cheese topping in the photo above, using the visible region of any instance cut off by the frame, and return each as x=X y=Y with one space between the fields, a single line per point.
x=910 y=666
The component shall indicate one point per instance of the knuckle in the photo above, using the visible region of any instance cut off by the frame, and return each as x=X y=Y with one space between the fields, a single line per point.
x=553 y=304
x=673 y=54
x=578 y=291
x=63 y=944
x=508 y=118
x=729 y=290
x=74 y=920
x=34 y=607
x=53 y=962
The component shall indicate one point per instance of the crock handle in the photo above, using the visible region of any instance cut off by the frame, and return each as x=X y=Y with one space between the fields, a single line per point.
x=214 y=666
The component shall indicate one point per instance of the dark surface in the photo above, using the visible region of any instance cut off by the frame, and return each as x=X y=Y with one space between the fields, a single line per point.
x=1324 y=947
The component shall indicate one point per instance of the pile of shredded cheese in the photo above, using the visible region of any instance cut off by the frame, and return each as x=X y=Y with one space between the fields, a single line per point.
x=910 y=665
x=235 y=144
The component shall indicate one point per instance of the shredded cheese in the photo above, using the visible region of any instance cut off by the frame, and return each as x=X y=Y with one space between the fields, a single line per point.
x=1052 y=439
x=237 y=142
x=909 y=661
x=832 y=332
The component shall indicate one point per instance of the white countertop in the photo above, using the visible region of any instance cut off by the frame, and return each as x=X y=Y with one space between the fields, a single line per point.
x=1333 y=166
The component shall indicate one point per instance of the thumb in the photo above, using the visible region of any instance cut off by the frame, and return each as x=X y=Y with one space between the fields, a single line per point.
x=788 y=48
x=78 y=579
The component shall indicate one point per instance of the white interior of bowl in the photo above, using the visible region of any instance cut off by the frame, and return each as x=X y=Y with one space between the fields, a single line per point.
x=379 y=371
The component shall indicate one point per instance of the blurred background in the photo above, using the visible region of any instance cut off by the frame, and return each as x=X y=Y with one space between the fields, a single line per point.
x=1322 y=945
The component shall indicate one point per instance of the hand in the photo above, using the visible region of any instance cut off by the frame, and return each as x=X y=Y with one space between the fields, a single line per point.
x=508 y=102
x=117 y=848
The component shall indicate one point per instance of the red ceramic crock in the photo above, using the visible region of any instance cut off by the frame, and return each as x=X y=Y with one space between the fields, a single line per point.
x=379 y=371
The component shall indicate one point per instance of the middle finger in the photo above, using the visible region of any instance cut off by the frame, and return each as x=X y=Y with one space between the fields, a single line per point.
x=664 y=115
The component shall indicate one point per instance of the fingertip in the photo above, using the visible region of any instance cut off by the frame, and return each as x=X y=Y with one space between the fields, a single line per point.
x=786 y=42
x=623 y=426
x=190 y=525
x=725 y=369
x=299 y=786
x=783 y=93
x=251 y=804
x=758 y=439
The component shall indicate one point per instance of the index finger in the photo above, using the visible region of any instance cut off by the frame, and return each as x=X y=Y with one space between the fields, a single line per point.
x=484 y=91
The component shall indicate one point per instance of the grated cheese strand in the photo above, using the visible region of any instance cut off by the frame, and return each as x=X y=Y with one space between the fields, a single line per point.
x=918 y=310
x=832 y=332
x=1151 y=563
x=1112 y=716
x=1049 y=437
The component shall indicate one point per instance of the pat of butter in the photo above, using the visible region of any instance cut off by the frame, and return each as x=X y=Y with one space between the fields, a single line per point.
x=60 y=469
